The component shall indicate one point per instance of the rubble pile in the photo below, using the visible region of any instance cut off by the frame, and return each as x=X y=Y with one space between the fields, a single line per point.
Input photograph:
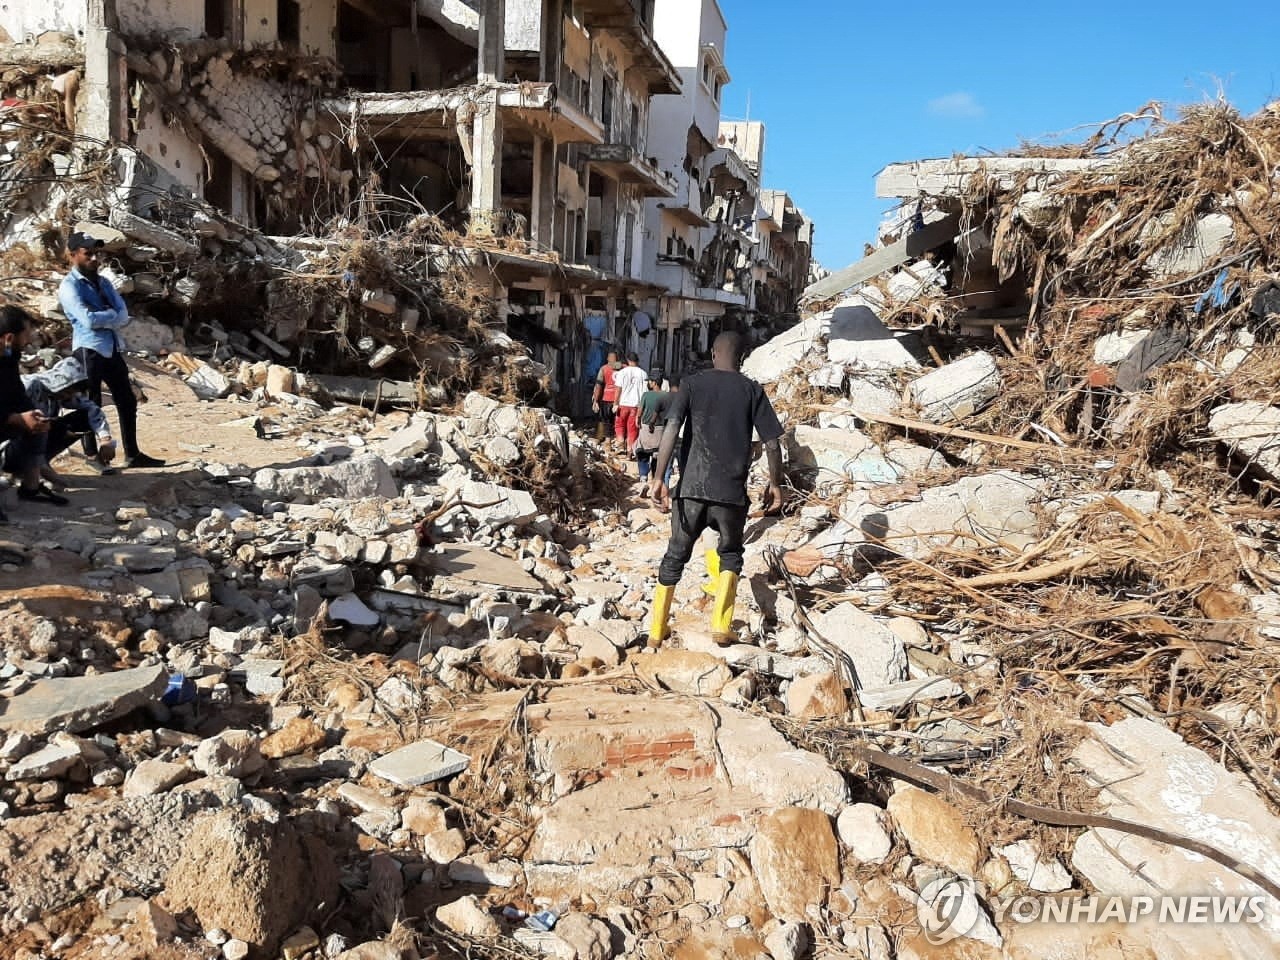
x=398 y=310
x=390 y=696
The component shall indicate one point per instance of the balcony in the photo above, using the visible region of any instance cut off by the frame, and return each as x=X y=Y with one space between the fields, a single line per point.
x=623 y=162
x=626 y=21
x=433 y=114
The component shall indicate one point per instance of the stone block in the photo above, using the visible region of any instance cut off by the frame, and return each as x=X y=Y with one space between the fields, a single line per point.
x=423 y=762
x=958 y=390
x=1251 y=431
x=366 y=476
x=795 y=861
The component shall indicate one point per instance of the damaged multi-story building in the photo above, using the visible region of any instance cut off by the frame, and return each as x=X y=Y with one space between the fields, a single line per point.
x=572 y=149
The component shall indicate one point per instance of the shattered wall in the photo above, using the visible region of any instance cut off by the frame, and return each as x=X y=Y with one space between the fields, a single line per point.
x=25 y=21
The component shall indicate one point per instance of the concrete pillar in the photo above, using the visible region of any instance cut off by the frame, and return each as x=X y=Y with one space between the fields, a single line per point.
x=486 y=165
x=609 y=226
x=552 y=40
x=541 y=226
x=102 y=110
x=490 y=64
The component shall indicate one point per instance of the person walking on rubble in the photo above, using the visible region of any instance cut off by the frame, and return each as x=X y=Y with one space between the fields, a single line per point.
x=605 y=396
x=720 y=409
x=631 y=381
x=655 y=406
x=98 y=314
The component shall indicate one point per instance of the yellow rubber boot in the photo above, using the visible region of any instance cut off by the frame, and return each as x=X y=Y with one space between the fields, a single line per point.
x=722 y=610
x=658 y=628
x=713 y=574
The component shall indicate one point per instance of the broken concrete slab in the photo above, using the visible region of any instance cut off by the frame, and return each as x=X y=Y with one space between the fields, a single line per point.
x=845 y=452
x=878 y=655
x=770 y=361
x=51 y=760
x=992 y=508
x=859 y=339
x=366 y=476
x=1194 y=251
x=472 y=564
x=871 y=397
x=412 y=440
x=957 y=390
x=493 y=504
x=349 y=608
x=1251 y=431
x=135 y=557
x=896 y=695
x=423 y=762
x=1149 y=775
x=81 y=703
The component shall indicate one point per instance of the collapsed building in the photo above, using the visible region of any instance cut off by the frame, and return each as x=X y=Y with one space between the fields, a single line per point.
x=532 y=149
x=1007 y=662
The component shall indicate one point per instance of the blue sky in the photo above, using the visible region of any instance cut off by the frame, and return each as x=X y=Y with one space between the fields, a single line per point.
x=847 y=86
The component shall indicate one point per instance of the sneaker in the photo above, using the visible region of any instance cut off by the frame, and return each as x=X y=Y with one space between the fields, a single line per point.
x=142 y=460
x=44 y=493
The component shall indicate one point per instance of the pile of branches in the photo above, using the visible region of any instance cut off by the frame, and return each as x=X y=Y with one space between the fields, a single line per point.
x=1094 y=247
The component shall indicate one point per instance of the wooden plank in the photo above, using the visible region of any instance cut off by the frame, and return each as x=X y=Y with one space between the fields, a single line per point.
x=953 y=432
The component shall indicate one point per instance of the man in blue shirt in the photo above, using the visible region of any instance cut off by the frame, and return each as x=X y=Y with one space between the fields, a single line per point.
x=97 y=315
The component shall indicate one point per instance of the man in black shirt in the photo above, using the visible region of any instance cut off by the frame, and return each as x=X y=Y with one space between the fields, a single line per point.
x=21 y=424
x=722 y=409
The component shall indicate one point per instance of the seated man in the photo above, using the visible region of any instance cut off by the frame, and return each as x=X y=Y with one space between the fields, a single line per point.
x=62 y=387
x=22 y=427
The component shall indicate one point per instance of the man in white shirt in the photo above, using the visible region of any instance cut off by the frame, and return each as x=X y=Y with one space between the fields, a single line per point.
x=630 y=381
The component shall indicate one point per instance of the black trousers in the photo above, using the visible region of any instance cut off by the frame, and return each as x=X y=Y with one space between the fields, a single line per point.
x=18 y=449
x=688 y=519
x=114 y=373
x=64 y=431
x=606 y=414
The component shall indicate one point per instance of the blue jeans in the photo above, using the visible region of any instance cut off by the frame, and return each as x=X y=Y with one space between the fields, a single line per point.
x=647 y=463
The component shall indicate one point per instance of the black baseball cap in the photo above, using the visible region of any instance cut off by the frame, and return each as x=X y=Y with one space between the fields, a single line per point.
x=79 y=240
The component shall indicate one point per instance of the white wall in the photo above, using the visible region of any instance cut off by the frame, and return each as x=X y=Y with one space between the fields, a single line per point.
x=523 y=29
x=171 y=150
x=28 y=19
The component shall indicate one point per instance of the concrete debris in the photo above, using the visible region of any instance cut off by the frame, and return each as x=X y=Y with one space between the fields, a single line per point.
x=958 y=390
x=1251 y=433
x=81 y=703
x=423 y=762
x=373 y=662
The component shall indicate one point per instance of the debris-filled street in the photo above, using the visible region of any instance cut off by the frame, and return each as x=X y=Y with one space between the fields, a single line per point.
x=351 y=652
